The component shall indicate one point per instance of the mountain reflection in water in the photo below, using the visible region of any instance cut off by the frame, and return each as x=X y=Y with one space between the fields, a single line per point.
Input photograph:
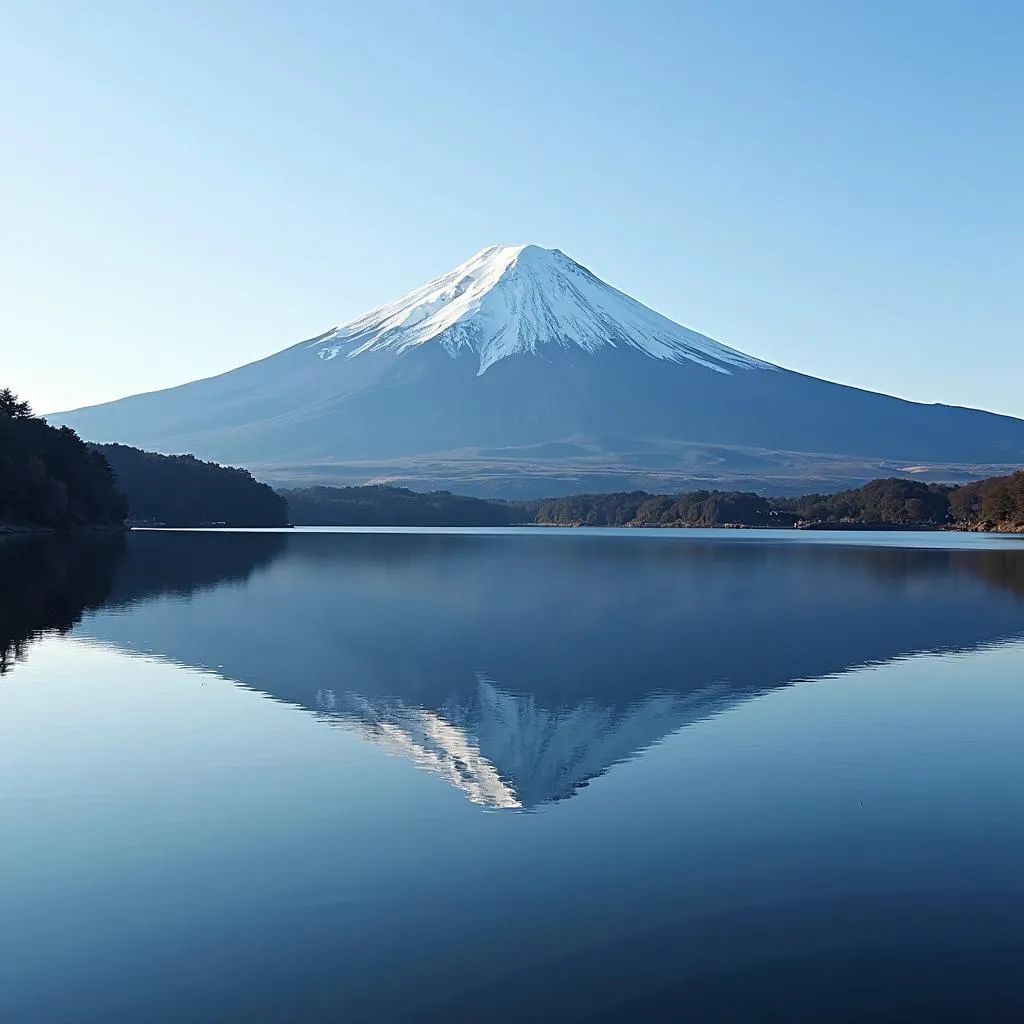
x=517 y=668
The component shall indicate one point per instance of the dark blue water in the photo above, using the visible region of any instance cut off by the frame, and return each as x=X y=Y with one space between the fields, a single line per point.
x=290 y=777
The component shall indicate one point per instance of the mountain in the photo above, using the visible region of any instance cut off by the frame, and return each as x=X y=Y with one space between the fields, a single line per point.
x=520 y=371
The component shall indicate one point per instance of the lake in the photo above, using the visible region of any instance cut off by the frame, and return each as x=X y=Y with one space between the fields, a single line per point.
x=487 y=776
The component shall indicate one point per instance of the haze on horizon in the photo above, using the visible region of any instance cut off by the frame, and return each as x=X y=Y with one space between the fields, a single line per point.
x=194 y=187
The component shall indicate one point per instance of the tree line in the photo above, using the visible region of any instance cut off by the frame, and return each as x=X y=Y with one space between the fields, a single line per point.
x=381 y=505
x=993 y=504
x=638 y=508
x=989 y=504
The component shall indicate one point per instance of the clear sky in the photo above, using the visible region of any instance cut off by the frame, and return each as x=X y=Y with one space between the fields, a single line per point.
x=837 y=187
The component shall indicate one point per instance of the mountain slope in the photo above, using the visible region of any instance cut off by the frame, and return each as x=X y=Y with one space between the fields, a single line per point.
x=522 y=359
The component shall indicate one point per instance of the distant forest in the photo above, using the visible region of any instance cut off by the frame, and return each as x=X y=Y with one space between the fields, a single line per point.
x=995 y=504
x=49 y=478
x=391 y=506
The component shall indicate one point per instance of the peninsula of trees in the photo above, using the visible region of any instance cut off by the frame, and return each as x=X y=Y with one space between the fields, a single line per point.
x=52 y=480
x=182 y=491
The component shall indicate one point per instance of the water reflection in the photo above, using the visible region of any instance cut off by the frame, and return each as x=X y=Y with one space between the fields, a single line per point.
x=47 y=583
x=507 y=750
x=517 y=668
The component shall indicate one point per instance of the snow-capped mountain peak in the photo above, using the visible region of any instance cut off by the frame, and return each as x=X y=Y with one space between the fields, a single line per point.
x=514 y=299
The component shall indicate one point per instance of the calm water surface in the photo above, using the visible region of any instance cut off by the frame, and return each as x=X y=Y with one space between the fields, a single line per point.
x=454 y=776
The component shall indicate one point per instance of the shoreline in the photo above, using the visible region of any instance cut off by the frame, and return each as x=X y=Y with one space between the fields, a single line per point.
x=803 y=527
x=8 y=529
x=24 y=530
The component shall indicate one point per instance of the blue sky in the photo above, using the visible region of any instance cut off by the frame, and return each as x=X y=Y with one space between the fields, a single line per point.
x=836 y=187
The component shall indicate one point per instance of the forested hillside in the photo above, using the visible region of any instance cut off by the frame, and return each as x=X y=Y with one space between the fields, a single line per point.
x=893 y=502
x=180 y=490
x=390 y=506
x=998 y=501
x=637 y=508
x=49 y=478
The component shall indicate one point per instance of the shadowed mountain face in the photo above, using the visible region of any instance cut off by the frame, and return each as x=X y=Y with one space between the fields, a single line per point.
x=520 y=371
x=521 y=667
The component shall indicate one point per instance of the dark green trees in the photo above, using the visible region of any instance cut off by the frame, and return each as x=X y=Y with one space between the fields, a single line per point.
x=181 y=490
x=637 y=508
x=11 y=407
x=48 y=477
x=892 y=502
x=390 y=506
x=997 y=503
